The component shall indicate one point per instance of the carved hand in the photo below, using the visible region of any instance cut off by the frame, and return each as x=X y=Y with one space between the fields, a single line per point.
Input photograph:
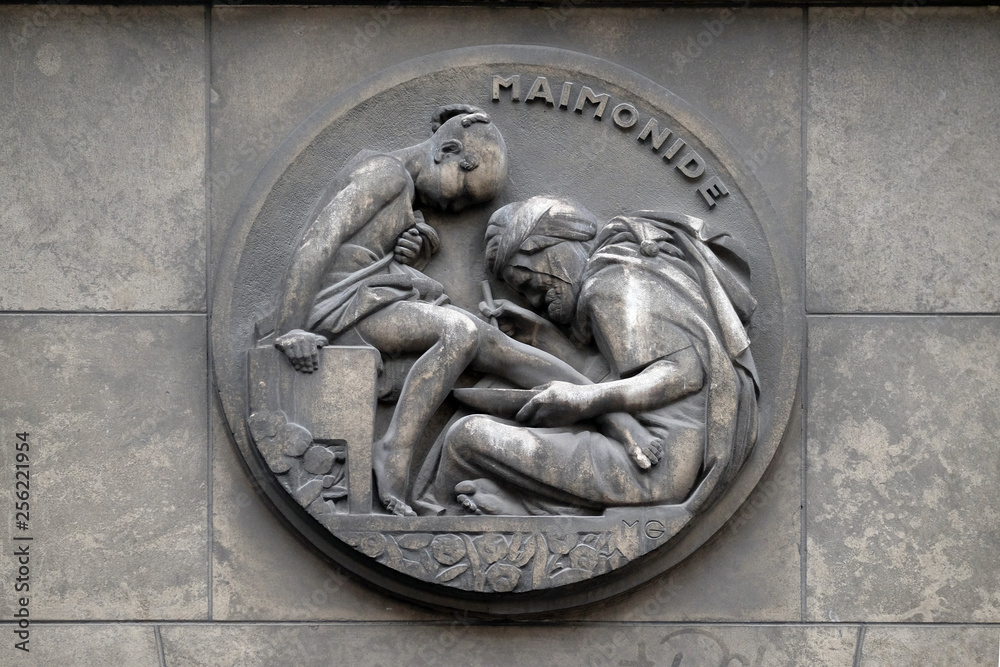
x=558 y=404
x=408 y=246
x=302 y=349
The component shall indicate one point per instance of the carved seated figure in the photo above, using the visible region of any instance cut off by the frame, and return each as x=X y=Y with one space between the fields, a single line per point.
x=666 y=303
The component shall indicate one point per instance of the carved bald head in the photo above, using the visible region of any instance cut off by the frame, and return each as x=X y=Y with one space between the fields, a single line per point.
x=468 y=160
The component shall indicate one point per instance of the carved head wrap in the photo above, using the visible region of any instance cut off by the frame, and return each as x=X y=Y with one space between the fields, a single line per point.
x=531 y=226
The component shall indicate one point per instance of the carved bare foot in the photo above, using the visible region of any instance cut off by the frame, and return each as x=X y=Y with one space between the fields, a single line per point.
x=482 y=496
x=467 y=502
x=397 y=506
x=390 y=476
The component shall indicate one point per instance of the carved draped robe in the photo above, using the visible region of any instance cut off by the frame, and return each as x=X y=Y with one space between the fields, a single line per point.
x=656 y=284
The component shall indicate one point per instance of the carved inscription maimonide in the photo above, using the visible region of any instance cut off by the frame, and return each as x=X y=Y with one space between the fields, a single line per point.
x=504 y=329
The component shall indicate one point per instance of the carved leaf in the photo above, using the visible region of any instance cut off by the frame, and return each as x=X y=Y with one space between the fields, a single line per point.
x=452 y=572
x=478 y=573
x=414 y=541
x=561 y=543
x=309 y=492
x=539 y=571
x=522 y=548
x=335 y=478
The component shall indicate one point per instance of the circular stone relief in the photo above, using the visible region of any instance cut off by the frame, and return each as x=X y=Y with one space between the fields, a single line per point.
x=506 y=330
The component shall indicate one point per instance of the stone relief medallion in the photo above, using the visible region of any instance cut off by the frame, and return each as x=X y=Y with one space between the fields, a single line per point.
x=506 y=329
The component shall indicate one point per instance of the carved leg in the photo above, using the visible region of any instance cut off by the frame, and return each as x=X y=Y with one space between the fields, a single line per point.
x=449 y=341
x=521 y=364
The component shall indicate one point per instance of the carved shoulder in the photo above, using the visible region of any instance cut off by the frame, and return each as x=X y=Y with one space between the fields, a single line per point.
x=380 y=176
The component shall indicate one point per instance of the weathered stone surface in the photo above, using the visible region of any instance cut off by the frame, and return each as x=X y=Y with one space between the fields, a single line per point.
x=458 y=643
x=903 y=189
x=331 y=158
x=312 y=53
x=903 y=523
x=889 y=646
x=115 y=409
x=91 y=645
x=261 y=571
x=102 y=158
x=750 y=570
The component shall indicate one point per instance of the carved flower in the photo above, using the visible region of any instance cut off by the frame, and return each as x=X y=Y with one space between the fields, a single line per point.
x=503 y=577
x=370 y=544
x=561 y=544
x=318 y=460
x=447 y=549
x=493 y=547
x=584 y=558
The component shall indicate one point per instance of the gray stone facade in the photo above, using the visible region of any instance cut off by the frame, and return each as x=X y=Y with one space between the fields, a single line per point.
x=128 y=139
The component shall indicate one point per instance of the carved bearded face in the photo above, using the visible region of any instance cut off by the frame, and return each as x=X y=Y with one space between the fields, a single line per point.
x=549 y=279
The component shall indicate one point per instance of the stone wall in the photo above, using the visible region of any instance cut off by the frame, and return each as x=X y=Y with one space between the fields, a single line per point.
x=128 y=137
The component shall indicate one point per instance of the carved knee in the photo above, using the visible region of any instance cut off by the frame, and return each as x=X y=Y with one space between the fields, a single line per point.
x=460 y=335
x=468 y=434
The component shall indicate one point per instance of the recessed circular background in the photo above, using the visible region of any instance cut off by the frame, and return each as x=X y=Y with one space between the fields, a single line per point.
x=552 y=150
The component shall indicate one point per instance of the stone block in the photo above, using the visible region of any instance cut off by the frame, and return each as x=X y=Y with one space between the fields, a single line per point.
x=903 y=187
x=335 y=404
x=102 y=158
x=91 y=645
x=475 y=646
x=115 y=408
x=889 y=646
x=902 y=519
